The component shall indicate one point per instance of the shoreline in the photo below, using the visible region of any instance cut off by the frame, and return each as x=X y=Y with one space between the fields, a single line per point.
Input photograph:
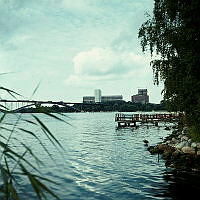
x=178 y=150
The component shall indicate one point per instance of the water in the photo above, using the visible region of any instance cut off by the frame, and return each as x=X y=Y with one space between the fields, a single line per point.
x=101 y=162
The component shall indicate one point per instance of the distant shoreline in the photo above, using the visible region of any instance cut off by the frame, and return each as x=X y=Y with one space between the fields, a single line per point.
x=116 y=106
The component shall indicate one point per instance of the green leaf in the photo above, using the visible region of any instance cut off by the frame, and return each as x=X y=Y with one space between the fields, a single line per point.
x=47 y=132
x=35 y=90
x=11 y=92
x=37 y=185
x=35 y=136
x=55 y=117
x=14 y=156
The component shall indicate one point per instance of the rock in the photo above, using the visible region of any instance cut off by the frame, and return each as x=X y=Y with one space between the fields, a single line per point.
x=152 y=149
x=174 y=140
x=188 y=150
x=190 y=141
x=167 y=155
x=184 y=138
x=193 y=145
x=161 y=147
x=179 y=137
x=176 y=154
x=167 y=128
x=198 y=145
x=166 y=149
x=168 y=142
x=181 y=145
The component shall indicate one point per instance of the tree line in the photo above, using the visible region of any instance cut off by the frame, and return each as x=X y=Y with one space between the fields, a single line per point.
x=172 y=35
x=119 y=106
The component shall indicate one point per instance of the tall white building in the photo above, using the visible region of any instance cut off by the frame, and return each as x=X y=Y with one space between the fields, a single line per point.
x=97 y=95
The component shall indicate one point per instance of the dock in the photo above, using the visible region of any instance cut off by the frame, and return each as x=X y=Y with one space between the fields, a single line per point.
x=130 y=120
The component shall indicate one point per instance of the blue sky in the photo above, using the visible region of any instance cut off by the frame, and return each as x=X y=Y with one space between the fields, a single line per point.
x=72 y=47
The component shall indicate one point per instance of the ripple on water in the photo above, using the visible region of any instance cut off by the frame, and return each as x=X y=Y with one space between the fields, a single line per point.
x=102 y=162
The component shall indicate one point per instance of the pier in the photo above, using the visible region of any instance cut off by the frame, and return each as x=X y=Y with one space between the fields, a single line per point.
x=130 y=120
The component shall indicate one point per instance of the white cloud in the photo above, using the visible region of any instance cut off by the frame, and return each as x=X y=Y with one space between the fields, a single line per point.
x=105 y=64
x=80 y=5
x=52 y=39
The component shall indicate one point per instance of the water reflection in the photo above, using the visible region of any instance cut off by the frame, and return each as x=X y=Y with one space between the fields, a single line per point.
x=181 y=184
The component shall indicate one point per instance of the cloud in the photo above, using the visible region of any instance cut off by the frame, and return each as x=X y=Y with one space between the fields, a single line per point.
x=105 y=64
x=87 y=43
x=77 y=6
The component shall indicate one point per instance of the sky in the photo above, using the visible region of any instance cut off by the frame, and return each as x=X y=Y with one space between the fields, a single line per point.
x=72 y=47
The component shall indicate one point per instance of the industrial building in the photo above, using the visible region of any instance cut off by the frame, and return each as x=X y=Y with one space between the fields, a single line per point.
x=88 y=99
x=142 y=97
x=111 y=98
x=97 y=98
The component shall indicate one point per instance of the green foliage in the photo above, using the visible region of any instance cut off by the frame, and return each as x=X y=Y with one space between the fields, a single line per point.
x=172 y=35
x=14 y=164
x=194 y=133
x=120 y=106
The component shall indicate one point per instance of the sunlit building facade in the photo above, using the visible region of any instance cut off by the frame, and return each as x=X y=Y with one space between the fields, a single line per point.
x=97 y=96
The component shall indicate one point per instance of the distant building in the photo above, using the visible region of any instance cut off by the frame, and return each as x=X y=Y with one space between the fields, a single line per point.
x=97 y=95
x=97 y=98
x=112 y=98
x=142 y=91
x=141 y=97
x=88 y=99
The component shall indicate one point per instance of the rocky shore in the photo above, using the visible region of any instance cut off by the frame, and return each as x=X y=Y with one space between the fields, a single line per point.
x=179 y=151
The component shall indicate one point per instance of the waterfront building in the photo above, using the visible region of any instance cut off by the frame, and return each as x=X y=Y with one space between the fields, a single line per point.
x=97 y=98
x=88 y=99
x=142 y=91
x=142 y=97
x=97 y=95
x=112 y=98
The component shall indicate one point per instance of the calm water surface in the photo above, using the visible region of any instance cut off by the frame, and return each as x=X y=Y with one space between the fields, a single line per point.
x=101 y=162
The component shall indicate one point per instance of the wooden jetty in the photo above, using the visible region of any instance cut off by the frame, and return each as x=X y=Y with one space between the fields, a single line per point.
x=130 y=120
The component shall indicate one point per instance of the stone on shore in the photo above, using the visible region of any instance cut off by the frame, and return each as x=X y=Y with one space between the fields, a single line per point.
x=184 y=138
x=198 y=145
x=181 y=145
x=179 y=151
x=193 y=145
x=188 y=150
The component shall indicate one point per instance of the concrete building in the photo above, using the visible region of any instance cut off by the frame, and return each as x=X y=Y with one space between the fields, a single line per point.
x=142 y=97
x=97 y=96
x=112 y=98
x=88 y=99
x=142 y=91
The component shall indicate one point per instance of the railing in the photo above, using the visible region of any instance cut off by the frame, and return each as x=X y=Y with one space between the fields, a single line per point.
x=120 y=117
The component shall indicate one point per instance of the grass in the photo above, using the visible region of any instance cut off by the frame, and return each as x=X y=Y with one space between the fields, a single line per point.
x=14 y=164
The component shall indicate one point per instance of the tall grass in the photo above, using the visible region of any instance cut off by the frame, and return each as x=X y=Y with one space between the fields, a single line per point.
x=15 y=164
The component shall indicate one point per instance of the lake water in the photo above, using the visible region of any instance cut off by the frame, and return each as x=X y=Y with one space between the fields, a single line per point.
x=102 y=162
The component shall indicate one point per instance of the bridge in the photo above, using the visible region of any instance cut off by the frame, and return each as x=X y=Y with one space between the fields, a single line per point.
x=17 y=105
